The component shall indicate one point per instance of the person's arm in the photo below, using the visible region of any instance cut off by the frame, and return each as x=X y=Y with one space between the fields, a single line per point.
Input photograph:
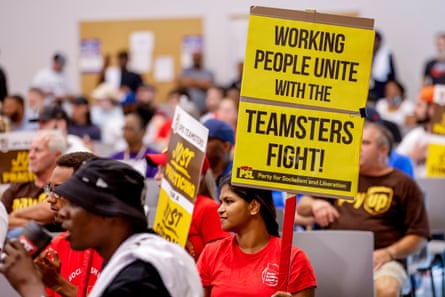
x=304 y=206
x=65 y=288
x=186 y=81
x=306 y=221
x=310 y=292
x=40 y=212
x=305 y=293
x=418 y=152
x=323 y=212
x=49 y=266
x=202 y=83
x=19 y=269
x=401 y=249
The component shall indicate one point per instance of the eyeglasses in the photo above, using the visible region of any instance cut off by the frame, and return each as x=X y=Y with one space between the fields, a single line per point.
x=48 y=189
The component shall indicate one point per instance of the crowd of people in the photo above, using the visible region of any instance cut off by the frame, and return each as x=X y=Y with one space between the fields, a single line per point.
x=91 y=156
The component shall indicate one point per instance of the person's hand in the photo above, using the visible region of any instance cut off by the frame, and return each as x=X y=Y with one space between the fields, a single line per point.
x=282 y=294
x=324 y=212
x=48 y=263
x=18 y=267
x=380 y=257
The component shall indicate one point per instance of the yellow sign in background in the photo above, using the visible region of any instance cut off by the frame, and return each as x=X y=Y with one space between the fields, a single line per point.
x=299 y=151
x=14 y=157
x=435 y=161
x=305 y=85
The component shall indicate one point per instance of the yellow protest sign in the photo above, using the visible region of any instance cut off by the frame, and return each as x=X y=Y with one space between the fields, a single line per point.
x=305 y=81
x=297 y=151
x=435 y=161
x=293 y=60
x=14 y=151
x=179 y=186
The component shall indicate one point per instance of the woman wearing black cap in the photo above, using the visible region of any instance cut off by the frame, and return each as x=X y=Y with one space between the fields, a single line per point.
x=247 y=263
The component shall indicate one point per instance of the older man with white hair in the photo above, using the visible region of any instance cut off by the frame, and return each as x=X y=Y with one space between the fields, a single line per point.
x=19 y=198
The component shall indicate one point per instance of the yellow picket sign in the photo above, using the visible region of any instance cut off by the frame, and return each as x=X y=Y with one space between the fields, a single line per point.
x=307 y=63
x=304 y=87
x=180 y=182
x=297 y=149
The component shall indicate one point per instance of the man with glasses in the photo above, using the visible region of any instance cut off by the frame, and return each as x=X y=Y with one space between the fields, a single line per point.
x=71 y=265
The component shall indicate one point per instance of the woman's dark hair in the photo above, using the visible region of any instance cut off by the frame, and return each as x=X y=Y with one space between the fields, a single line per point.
x=264 y=197
x=399 y=86
x=144 y=112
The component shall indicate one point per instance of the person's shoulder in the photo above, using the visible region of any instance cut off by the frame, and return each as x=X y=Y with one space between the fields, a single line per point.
x=221 y=244
x=18 y=186
x=431 y=61
x=399 y=174
x=139 y=268
x=117 y=155
x=402 y=180
x=187 y=70
x=381 y=105
x=43 y=71
x=150 y=150
x=136 y=276
x=414 y=134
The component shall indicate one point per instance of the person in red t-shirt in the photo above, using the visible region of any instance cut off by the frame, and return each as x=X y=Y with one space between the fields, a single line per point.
x=205 y=226
x=62 y=268
x=247 y=263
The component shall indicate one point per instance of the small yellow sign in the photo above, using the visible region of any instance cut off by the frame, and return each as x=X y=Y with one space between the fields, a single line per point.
x=14 y=157
x=435 y=161
x=179 y=186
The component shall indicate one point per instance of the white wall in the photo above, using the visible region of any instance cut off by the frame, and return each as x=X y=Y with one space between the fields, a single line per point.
x=30 y=31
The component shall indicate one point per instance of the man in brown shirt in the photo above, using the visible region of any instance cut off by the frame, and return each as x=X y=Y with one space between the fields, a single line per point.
x=20 y=198
x=388 y=202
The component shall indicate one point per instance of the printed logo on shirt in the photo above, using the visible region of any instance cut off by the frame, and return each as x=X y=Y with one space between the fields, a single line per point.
x=78 y=271
x=74 y=274
x=375 y=201
x=24 y=202
x=270 y=275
